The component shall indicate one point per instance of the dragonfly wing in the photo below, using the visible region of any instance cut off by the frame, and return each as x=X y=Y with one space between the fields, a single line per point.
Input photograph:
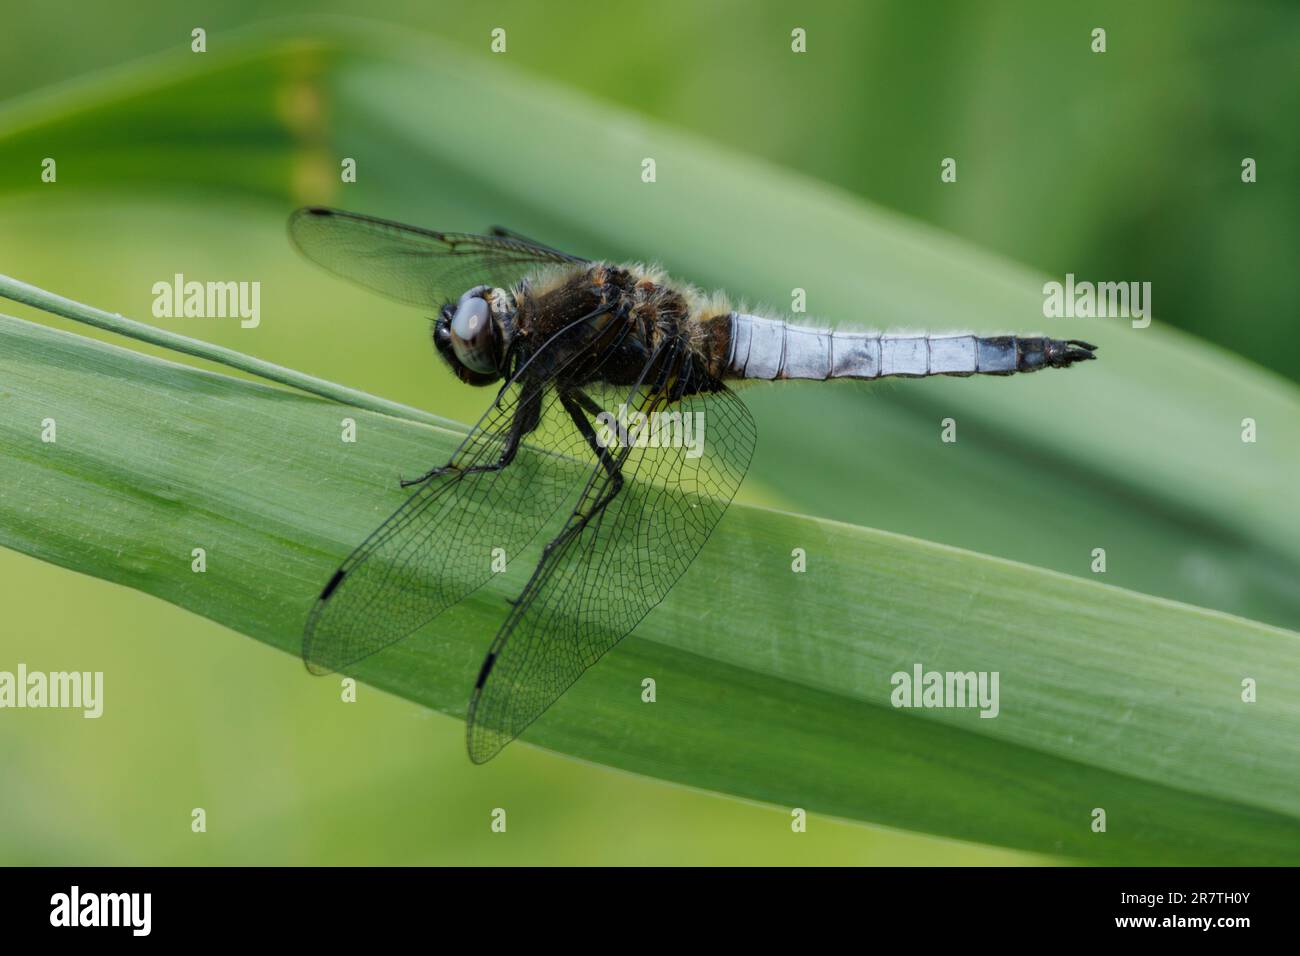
x=502 y=232
x=417 y=266
x=610 y=566
x=438 y=546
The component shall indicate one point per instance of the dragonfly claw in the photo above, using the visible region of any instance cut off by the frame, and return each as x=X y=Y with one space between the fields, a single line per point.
x=408 y=482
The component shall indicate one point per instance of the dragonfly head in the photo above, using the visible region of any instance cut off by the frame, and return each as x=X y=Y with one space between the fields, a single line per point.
x=473 y=334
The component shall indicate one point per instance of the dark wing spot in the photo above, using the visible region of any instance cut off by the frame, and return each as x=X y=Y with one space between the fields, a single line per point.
x=332 y=584
x=485 y=670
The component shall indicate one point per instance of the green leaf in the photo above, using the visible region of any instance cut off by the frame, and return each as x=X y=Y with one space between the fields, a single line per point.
x=772 y=685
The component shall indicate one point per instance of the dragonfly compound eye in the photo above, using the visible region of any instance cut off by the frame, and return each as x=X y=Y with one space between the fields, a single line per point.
x=472 y=335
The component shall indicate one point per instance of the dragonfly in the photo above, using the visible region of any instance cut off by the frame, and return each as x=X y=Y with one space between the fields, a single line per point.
x=613 y=399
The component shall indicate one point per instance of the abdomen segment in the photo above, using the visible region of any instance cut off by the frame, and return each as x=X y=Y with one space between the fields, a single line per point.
x=765 y=348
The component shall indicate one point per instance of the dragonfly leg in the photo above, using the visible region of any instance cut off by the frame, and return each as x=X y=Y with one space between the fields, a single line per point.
x=432 y=473
x=575 y=403
x=526 y=418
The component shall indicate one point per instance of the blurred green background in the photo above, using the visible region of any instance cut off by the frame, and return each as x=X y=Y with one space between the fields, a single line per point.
x=1120 y=166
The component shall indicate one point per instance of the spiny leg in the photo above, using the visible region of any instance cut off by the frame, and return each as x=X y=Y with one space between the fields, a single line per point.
x=575 y=402
x=526 y=418
x=602 y=453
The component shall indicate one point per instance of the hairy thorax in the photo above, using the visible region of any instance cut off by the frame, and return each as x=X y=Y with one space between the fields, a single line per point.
x=637 y=307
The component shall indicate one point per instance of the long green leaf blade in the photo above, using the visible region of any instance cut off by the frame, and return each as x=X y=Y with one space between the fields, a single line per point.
x=772 y=685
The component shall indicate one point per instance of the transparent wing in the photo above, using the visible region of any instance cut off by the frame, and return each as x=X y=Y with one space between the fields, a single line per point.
x=438 y=546
x=412 y=265
x=613 y=562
